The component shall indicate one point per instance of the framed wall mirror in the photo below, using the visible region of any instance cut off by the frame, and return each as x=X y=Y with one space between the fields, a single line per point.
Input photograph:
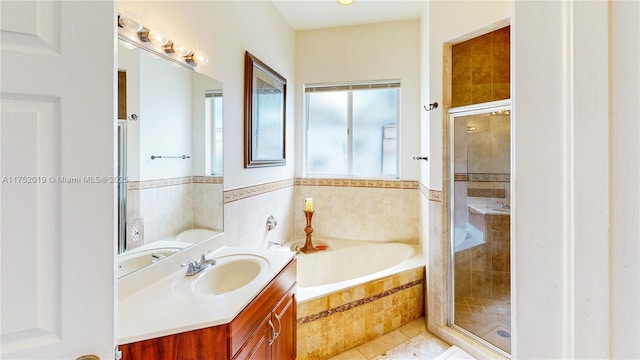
x=264 y=113
x=170 y=156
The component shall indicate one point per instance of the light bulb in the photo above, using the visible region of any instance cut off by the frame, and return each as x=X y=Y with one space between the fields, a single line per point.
x=200 y=57
x=180 y=49
x=157 y=38
x=129 y=24
x=345 y=2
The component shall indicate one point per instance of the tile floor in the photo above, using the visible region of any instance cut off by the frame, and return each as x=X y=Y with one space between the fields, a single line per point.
x=411 y=341
x=489 y=319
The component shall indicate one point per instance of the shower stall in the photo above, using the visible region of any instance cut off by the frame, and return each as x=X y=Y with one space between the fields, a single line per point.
x=480 y=211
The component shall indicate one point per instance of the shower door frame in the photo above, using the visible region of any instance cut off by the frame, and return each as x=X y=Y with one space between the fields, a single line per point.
x=469 y=110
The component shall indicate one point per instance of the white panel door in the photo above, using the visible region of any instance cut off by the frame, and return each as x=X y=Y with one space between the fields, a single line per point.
x=57 y=209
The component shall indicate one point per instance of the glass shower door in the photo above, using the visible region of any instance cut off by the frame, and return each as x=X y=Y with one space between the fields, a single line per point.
x=480 y=222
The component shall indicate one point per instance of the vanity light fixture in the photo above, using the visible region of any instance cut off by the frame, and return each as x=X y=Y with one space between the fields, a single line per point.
x=501 y=112
x=345 y=2
x=128 y=24
x=158 y=38
x=197 y=57
x=129 y=30
x=177 y=47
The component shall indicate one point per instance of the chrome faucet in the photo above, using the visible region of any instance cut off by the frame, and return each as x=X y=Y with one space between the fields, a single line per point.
x=503 y=205
x=273 y=243
x=157 y=257
x=195 y=266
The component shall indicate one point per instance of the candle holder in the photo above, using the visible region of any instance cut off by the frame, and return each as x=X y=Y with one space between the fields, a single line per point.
x=308 y=244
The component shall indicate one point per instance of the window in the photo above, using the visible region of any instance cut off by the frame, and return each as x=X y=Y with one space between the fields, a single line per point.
x=213 y=114
x=352 y=130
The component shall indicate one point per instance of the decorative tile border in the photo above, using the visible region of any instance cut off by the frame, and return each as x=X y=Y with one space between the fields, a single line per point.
x=432 y=195
x=460 y=177
x=353 y=304
x=249 y=191
x=207 y=179
x=368 y=183
x=156 y=183
x=435 y=195
x=489 y=193
x=482 y=177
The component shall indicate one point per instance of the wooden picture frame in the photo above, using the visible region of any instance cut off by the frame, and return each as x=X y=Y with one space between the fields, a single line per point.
x=265 y=93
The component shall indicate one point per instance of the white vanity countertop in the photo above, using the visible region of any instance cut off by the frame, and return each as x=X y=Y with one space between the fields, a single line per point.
x=488 y=206
x=168 y=306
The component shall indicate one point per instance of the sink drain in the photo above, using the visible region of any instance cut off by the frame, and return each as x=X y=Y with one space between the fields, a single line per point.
x=504 y=333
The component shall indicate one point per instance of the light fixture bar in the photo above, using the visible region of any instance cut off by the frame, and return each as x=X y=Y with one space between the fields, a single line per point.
x=133 y=33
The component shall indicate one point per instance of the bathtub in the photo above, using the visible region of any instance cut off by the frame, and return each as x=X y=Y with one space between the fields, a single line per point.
x=346 y=263
x=356 y=291
x=467 y=237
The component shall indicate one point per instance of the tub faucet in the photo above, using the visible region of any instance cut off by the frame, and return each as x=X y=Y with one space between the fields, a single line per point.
x=195 y=266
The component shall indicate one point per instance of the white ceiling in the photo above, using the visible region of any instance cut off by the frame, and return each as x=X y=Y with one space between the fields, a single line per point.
x=315 y=14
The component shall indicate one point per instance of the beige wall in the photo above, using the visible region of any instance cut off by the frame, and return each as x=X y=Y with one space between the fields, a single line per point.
x=450 y=22
x=225 y=30
x=444 y=22
x=575 y=268
x=360 y=53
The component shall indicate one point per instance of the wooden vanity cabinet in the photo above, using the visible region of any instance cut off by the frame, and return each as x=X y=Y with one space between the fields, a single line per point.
x=275 y=337
x=264 y=329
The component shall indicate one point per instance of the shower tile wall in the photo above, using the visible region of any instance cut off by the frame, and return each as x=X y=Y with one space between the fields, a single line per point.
x=480 y=69
x=482 y=160
x=484 y=271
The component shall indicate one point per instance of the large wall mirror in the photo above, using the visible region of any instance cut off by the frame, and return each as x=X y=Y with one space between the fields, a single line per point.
x=170 y=155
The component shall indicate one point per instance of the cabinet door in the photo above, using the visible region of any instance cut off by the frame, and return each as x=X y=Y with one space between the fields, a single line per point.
x=257 y=347
x=284 y=318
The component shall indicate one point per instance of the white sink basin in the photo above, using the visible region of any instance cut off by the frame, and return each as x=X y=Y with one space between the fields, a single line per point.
x=227 y=277
x=230 y=273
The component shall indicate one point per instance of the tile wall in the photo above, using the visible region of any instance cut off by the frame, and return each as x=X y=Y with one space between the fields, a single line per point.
x=484 y=271
x=170 y=206
x=246 y=211
x=481 y=69
x=372 y=210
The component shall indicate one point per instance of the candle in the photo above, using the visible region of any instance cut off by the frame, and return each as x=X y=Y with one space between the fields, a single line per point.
x=308 y=204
